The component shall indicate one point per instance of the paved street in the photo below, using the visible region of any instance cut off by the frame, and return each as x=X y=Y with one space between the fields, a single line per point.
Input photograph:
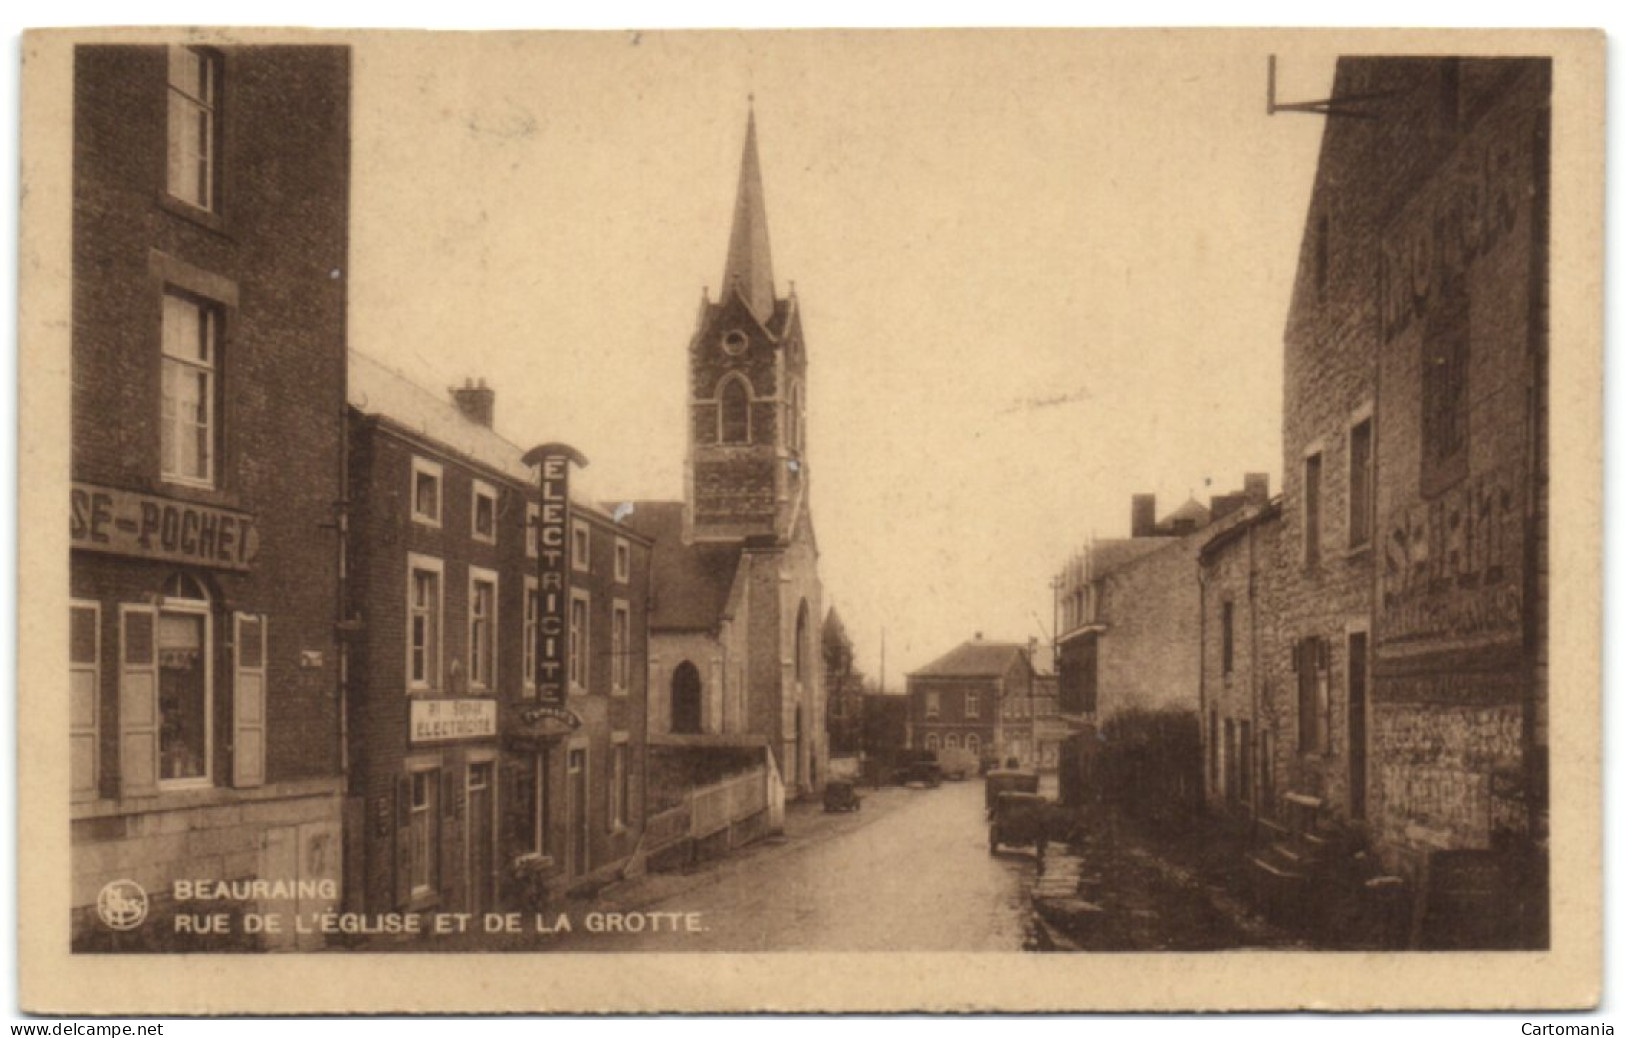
x=909 y=872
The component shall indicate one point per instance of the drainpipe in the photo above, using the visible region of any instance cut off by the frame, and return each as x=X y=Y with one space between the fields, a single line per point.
x=1203 y=732
x=1252 y=662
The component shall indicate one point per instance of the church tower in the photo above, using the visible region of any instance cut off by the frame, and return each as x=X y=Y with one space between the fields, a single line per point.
x=746 y=464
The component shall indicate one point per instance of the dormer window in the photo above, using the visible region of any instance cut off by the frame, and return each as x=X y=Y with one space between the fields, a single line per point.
x=733 y=411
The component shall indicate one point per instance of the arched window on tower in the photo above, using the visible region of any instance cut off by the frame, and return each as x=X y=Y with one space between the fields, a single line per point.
x=793 y=426
x=733 y=425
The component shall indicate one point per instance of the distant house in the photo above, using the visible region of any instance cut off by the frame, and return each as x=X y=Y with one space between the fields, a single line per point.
x=1130 y=614
x=978 y=697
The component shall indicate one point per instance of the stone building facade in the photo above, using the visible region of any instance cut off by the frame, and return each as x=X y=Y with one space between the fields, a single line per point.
x=736 y=667
x=469 y=784
x=210 y=259
x=1239 y=631
x=1412 y=587
x=1129 y=612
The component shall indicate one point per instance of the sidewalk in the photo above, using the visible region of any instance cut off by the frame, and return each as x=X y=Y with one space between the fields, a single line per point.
x=1110 y=892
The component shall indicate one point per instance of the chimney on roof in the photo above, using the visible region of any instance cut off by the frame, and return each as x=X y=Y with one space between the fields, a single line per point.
x=478 y=403
x=1222 y=505
x=1256 y=485
x=1143 y=518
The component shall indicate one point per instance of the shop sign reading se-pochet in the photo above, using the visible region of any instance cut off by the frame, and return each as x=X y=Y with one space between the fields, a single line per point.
x=123 y=522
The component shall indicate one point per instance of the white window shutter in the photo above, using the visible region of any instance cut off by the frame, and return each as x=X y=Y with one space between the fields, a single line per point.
x=84 y=694
x=138 y=700
x=248 y=700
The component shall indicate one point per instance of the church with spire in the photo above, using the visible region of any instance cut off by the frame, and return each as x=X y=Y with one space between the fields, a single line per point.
x=735 y=667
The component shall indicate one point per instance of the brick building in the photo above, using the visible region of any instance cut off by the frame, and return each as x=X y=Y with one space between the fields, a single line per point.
x=1416 y=351
x=736 y=668
x=468 y=785
x=978 y=698
x=210 y=258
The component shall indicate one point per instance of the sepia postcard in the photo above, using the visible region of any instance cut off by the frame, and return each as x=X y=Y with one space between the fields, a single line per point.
x=790 y=521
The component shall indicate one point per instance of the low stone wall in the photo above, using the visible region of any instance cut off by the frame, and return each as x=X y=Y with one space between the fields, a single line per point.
x=284 y=834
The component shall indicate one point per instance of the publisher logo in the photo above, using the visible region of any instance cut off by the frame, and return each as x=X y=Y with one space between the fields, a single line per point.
x=122 y=904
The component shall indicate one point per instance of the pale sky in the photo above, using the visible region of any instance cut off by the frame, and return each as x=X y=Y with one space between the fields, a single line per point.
x=1038 y=273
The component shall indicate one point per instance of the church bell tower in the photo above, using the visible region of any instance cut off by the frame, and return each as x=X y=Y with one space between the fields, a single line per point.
x=746 y=464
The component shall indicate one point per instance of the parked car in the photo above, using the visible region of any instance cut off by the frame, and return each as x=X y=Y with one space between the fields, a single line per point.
x=840 y=795
x=1020 y=820
x=919 y=766
x=957 y=763
x=1003 y=781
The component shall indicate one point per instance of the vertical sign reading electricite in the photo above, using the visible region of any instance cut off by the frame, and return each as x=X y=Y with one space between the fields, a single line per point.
x=552 y=461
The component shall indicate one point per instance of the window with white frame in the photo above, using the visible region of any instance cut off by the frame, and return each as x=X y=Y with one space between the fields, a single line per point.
x=426 y=491
x=579 y=607
x=482 y=621
x=581 y=547
x=933 y=704
x=424 y=599
x=1360 y=484
x=194 y=89
x=484 y=512
x=1311 y=508
x=973 y=705
x=533 y=519
x=533 y=607
x=191 y=347
x=620 y=647
x=623 y=560
x=932 y=742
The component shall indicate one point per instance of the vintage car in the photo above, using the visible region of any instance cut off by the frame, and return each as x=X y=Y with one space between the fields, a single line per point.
x=1019 y=820
x=840 y=795
x=957 y=762
x=918 y=766
x=1005 y=781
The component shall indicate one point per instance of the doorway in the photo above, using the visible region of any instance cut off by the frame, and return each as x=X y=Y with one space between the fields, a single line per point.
x=685 y=699
x=1357 y=724
x=578 y=812
x=481 y=834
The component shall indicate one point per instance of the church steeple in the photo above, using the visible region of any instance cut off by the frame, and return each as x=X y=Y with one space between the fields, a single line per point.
x=750 y=262
x=747 y=462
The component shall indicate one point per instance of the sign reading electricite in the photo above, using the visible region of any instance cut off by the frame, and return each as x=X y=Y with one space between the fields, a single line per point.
x=122 y=522
x=553 y=568
x=442 y=720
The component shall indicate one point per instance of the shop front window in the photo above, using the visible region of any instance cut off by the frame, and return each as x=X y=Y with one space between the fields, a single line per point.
x=183 y=683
